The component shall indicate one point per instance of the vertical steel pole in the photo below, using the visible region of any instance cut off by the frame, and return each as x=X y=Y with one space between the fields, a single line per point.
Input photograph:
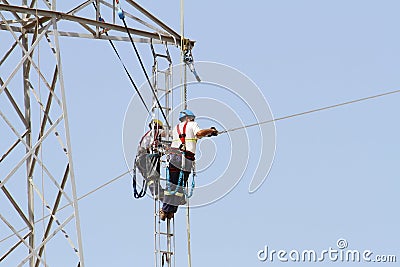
x=188 y=233
x=169 y=255
x=69 y=147
x=168 y=89
x=28 y=139
x=97 y=17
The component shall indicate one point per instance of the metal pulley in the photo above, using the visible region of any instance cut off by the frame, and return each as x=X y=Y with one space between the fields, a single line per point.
x=188 y=59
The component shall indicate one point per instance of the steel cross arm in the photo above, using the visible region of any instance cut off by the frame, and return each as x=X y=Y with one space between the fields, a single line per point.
x=155 y=20
x=88 y=36
x=63 y=16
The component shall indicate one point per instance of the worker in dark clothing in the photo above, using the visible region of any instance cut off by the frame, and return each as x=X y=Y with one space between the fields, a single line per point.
x=182 y=156
x=148 y=157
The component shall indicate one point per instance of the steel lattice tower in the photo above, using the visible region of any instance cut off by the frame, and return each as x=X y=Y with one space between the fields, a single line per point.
x=35 y=148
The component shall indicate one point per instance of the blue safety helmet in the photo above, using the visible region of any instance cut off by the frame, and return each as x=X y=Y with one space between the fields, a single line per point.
x=186 y=113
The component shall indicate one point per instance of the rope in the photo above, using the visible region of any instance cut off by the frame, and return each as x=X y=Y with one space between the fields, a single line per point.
x=194 y=174
x=183 y=67
x=142 y=192
x=66 y=235
x=122 y=17
x=188 y=233
x=101 y=186
x=164 y=258
x=128 y=74
x=190 y=194
x=184 y=100
x=180 y=184
x=123 y=65
x=225 y=131
x=78 y=199
x=311 y=111
x=169 y=182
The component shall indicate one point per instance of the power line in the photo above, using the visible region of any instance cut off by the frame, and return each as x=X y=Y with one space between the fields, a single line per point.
x=123 y=65
x=128 y=74
x=311 y=111
x=79 y=198
x=221 y=132
x=102 y=186
x=122 y=17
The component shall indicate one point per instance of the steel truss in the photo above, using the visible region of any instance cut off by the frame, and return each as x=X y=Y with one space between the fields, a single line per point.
x=35 y=126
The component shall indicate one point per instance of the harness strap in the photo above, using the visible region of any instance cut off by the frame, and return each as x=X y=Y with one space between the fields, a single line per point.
x=182 y=136
x=141 y=140
x=185 y=155
x=156 y=135
x=187 y=140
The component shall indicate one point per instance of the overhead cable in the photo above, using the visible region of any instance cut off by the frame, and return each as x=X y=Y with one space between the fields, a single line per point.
x=125 y=68
x=122 y=17
x=310 y=111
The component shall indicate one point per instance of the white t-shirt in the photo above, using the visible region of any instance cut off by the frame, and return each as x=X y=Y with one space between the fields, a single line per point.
x=192 y=128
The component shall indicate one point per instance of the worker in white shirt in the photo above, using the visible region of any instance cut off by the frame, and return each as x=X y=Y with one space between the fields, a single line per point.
x=185 y=136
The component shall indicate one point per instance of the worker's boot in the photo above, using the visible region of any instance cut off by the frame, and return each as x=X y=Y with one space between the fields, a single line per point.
x=170 y=215
x=163 y=215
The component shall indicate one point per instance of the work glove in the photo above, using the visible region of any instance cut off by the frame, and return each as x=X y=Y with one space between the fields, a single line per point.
x=214 y=133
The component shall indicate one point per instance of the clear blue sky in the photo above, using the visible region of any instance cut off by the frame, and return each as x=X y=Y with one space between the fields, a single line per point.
x=335 y=173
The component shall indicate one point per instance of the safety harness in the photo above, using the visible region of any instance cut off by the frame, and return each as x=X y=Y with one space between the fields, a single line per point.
x=182 y=136
x=182 y=149
x=141 y=139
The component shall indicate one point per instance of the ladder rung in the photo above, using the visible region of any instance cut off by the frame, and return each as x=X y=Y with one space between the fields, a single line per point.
x=162 y=89
x=165 y=108
x=162 y=233
x=161 y=55
x=164 y=251
x=162 y=107
x=162 y=71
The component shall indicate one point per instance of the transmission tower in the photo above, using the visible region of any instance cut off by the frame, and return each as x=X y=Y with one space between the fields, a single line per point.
x=35 y=148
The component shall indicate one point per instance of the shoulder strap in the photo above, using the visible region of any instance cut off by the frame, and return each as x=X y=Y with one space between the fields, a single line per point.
x=156 y=136
x=182 y=136
x=154 y=139
x=141 y=140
